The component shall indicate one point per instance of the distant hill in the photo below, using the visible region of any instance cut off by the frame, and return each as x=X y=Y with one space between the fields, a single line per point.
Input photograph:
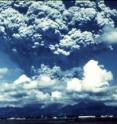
x=36 y=111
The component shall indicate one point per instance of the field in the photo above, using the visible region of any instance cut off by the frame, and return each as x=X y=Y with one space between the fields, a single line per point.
x=61 y=121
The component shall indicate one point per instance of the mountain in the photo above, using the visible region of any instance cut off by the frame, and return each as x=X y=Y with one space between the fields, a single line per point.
x=82 y=108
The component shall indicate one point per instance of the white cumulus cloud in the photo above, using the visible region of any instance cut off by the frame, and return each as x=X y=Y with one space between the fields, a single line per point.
x=56 y=95
x=110 y=35
x=95 y=79
x=74 y=85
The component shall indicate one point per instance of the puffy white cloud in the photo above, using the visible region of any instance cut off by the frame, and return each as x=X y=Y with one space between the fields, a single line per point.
x=42 y=96
x=47 y=89
x=74 y=85
x=95 y=77
x=45 y=81
x=109 y=36
x=22 y=79
x=113 y=37
x=56 y=95
x=26 y=82
x=45 y=78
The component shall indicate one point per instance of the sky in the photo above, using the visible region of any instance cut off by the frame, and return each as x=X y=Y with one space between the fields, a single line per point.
x=57 y=52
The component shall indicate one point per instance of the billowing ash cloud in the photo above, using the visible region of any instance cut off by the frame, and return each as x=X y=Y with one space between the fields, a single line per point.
x=52 y=53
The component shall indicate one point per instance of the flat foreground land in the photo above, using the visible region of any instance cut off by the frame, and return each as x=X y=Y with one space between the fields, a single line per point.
x=61 y=121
